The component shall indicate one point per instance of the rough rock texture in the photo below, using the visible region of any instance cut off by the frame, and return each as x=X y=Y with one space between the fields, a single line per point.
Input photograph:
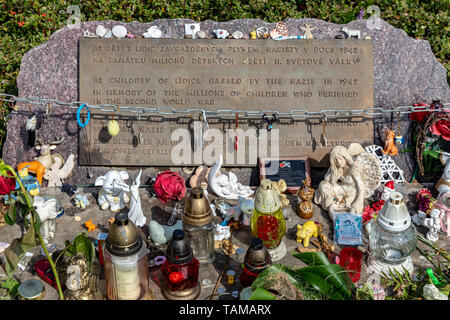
x=405 y=72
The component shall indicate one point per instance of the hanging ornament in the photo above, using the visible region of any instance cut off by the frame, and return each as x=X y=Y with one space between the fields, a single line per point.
x=236 y=138
x=323 y=136
x=31 y=130
x=398 y=137
x=113 y=127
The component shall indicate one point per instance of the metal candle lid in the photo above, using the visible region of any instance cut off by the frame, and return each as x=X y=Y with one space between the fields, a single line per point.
x=197 y=210
x=178 y=250
x=257 y=257
x=394 y=215
x=31 y=289
x=266 y=198
x=123 y=238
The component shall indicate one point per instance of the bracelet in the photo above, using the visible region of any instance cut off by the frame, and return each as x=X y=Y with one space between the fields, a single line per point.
x=82 y=125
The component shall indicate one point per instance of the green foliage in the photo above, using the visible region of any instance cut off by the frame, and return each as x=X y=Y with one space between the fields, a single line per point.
x=403 y=287
x=81 y=245
x=25 y=24
x=11 y=286
x=261 y=294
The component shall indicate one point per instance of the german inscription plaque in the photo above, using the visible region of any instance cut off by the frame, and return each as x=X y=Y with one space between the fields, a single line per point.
x=246 y=75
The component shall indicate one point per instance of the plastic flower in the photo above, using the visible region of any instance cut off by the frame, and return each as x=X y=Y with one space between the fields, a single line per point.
x=441 y=128
x=7 y=185
x=419 y=116
x=169 y=186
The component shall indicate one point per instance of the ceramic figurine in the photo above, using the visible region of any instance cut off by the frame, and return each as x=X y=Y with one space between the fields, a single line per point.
x=191 y=29
x=353 y=175
x=119 y=31
x=228 y=212
x=30 y=126
x=389 y=144
x=433 y=223
x=81 y=201
x=280 y=31
x=352 y=33
x=161 y=234
x=48 y=208
x=253 y=35
x=226 y=186
x=281 y=187
x=307 y=31
x=81 y=284
x=101 y=31
x=135 y=214
x=221 y=232
x=443 y=185
x=59 y=171
x=153 y=33
x=112 y=194
x=246 y=206
x=29 y=182
x=308 y=230
x=221 y=33
x=305 y=208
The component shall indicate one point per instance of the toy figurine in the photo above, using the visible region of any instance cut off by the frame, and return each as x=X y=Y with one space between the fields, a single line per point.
x=351 y=33
x=59 y=171
x=90 y=226
x=280 y=30
x=160 y=234
x=221 y=232
x=29 y=182
x=307 y=31
x=81 y=201
x=305 y=208
x=389 y=144
x=135 y=214
x=308 y=230
x=433 y=223
x=48 y=208
x=112 y=194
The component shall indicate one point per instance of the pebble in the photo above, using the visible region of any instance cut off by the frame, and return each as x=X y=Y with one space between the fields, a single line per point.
x=119 y=31
x=108 y=34
x=153 y=32
x=237 y=34
x=201 y=34
x=101 y=31
x=77 y=218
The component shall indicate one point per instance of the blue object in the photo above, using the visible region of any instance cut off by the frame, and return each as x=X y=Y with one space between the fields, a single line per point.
x=30 y=183
x=348 y=229
x=82 y=125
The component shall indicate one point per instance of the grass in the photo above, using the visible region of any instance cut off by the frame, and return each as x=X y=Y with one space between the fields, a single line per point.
x=25 y=24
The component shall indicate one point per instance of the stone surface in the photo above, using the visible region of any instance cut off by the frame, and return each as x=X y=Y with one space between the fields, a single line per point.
x=405 y=72
x=67 y=228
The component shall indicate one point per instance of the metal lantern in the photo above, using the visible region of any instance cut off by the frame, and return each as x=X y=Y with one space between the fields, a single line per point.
x=125 y=261
x=257 y=259
x=198 y=226
x=392 y=237
x=268 y=221
x=180 y=270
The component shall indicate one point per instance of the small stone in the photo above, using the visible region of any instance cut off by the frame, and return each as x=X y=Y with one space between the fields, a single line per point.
x=119 y=31
x=77 y=218
x=367 y=38
x=101 y=31
x=201 y=34
x=237 y=34
x=108 y=34
x=153 y=33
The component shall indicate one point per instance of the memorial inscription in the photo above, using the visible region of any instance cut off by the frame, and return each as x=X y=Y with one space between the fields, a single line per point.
x=248 y=75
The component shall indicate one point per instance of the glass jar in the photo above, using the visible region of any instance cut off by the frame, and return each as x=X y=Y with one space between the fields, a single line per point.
x=198 y=226
x=257 y=259
x=125 y=262
x=180 y=270
x=268 y=221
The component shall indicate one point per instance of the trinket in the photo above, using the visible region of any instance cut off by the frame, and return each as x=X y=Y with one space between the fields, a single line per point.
x=112 y=193
x=161 y=234
x=354 y=175
x=443 y=203
x=31 y=130
x=68 y=189
x=262 y=33
x=90 y=226
x=351 y=33
x=237 y=34
x=433 y=223
x=190 y=30
x=30 y=183
x=389 y=145
x=48 y=209
x=226 y=186
x=81 y=201
x=113 y=128
x=307 y=31
x=135 y=214
x=101 y=31
x=443 y=184
x=323 y=136
x=200 y=34
x=59 y=170
x=389 y=169
x=31 y=289
x=308 y=230
x=129 y=35
x=88 y=34
x=221 y=33
x=253 y=35
x=153 y=33
x=305 y=209
x=280 y=30
x=221 y=232
x=119 y=31
x=230 y=276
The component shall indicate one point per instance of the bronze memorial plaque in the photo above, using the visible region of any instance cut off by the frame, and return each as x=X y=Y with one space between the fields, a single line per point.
x=213 y=74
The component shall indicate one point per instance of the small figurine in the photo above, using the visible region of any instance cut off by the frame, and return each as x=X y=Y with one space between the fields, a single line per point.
x=80 y=283
x=305 y=209
x=389 y=145
x=443 y=185
x=228 y=212
x=351 y=33
x=190 y=30
x=246 y=206
x=253 y=35
x=161 y=234
x=48 y=208
x=90 y=226
x=29 y=182
x=308 y=230
x=221 y=33
x=112 y=194
x=221 y=232
x=226 y=245
x=226 y=186
x=31 y=130
x=59 y=171
x=307 y=31
x=135 y=214
x=433 y=223
x=81 y=201
x=153 y=33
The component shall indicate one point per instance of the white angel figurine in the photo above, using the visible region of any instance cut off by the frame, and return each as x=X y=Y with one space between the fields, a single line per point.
x=135 y=214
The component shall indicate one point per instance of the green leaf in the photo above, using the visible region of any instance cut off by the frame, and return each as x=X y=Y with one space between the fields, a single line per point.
x=85 y=247
x=262 y=294
x=37 y=222
x=12 y=285
x=331 y=280
x=17 y=249
x=313 y=258
x=11 y=214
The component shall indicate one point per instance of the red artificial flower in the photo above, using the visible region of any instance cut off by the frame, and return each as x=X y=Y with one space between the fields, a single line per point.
x=7 y=185
x=441 y=128
x=169 y=186
x=419 y=116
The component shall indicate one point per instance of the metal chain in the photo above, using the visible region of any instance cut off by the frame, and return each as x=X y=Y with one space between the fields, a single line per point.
x=294 y=114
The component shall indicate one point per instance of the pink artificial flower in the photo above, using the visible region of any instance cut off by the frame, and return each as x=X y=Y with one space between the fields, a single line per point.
x=169 y=186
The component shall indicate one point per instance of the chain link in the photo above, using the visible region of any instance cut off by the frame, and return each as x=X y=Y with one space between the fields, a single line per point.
x=295 y=114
